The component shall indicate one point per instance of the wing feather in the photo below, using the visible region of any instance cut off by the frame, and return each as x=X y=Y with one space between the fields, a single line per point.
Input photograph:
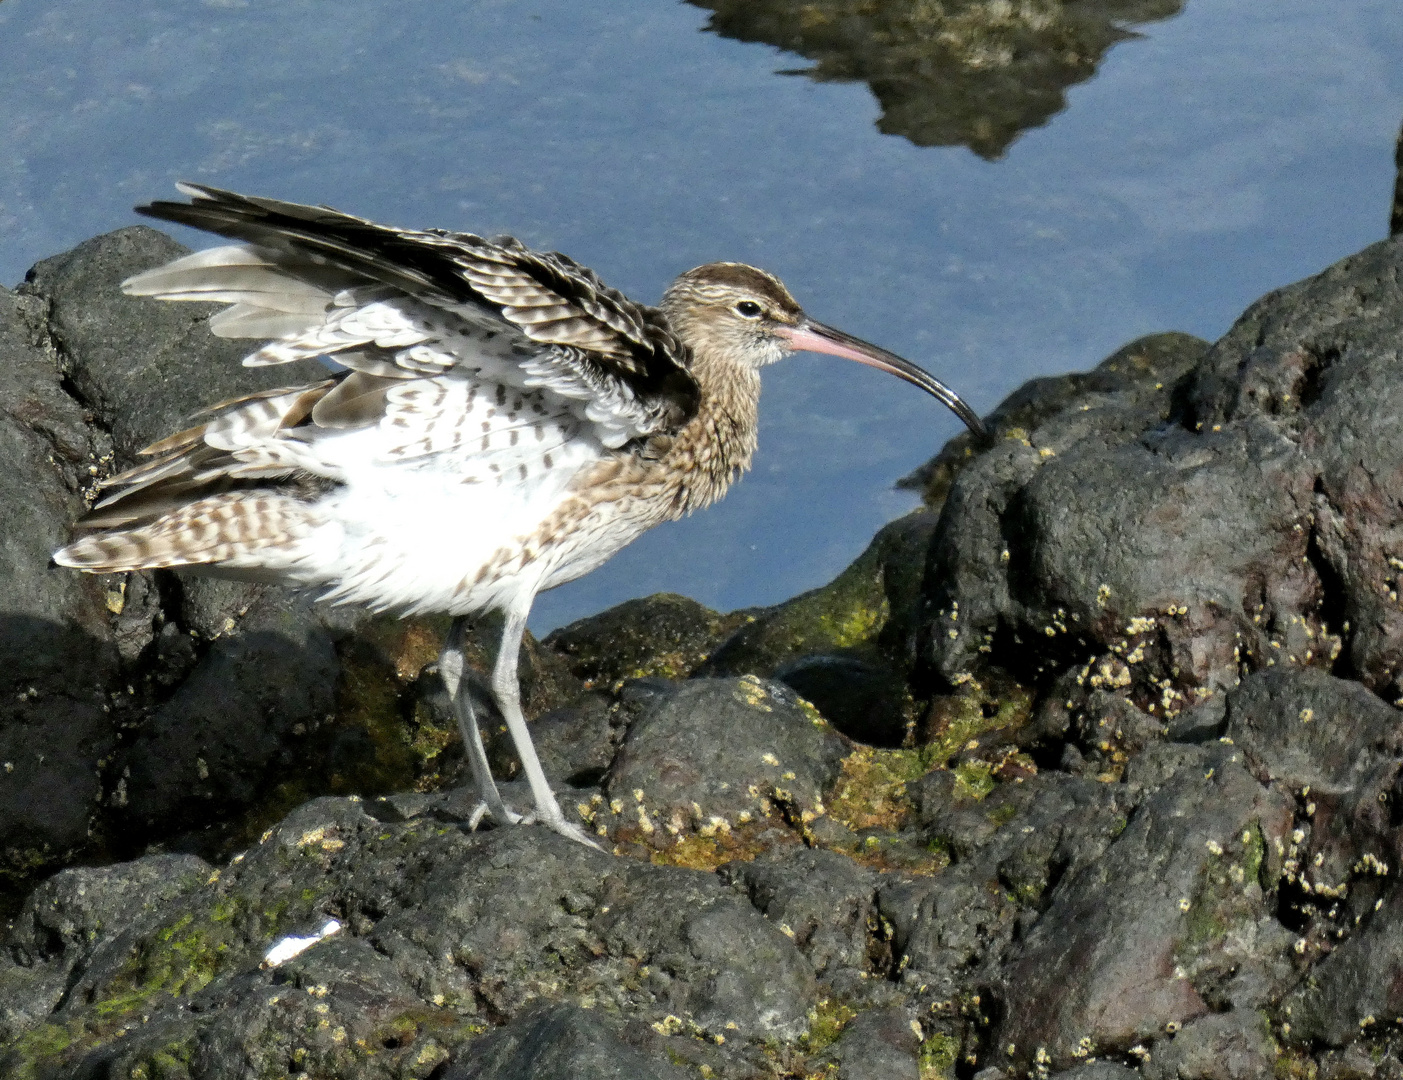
x=596 y=345
x=250 y=321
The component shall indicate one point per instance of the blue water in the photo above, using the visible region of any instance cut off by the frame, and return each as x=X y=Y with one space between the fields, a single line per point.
x=1226 y=151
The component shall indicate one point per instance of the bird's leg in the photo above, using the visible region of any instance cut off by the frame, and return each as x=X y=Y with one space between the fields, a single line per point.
x=507 y=689
x=450 y=667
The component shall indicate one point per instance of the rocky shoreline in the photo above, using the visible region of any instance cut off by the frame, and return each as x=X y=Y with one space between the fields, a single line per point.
x=1090 y=768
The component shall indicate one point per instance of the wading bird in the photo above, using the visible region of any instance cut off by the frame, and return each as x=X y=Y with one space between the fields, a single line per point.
x=501 y=422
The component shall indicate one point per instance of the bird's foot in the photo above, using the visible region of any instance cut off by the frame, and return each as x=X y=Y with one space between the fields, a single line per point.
x=501 y=815
x=565 y=828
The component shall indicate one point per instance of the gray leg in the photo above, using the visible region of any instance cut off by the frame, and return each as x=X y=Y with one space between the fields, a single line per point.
x=450 y=667
x=507 y=689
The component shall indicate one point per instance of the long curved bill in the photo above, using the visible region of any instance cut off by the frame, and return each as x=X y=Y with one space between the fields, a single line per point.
x=811 y=336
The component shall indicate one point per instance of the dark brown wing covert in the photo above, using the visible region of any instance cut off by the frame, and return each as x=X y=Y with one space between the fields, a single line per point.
x=598 y=332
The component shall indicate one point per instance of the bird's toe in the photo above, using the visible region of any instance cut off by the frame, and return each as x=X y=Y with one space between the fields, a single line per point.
x=577 y=833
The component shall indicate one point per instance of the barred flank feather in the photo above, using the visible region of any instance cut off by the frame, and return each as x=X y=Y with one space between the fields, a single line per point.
x=222 y=529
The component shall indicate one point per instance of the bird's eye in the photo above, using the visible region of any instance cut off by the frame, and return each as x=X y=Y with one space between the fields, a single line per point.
x=748 y=309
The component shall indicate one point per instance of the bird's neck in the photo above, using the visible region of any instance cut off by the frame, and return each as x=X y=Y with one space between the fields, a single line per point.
x=717 y=444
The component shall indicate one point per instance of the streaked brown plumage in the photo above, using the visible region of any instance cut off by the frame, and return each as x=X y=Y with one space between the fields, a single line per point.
x=504 y=423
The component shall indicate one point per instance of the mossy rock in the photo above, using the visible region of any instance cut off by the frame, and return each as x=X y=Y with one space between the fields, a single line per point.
x=663 y=635
x=867 y=611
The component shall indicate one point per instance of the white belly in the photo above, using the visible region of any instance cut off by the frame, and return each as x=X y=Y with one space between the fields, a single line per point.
x=427 y=535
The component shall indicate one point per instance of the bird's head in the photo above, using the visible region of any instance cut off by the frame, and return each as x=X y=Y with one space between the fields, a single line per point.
x=734 y=311
x=731 y=312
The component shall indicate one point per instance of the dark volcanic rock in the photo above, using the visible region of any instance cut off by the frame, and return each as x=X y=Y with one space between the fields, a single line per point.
x=998 y=577
x=90 y=375
x=141 y=709
x=1235 y=1045
x=863 y=700
x=1336 y=748
x=823 y=899
x=1008 y=849
x=1132 y=385
x=717 y=753
x=561 y=1041
x=58 y=649
x=1306 y=729
x=706 y=954
x=1153 y=933
x=216 y=739
x=662 y=635
x=879 y=1045
x=443 y=934
x=847 y=647
x=1096 y=1070
x=1051 y=820
x=1308 y=364
x=1138 y=812
x=55 y=932
x=1089 y=552
x=1395 y=220
x=576 y=742
x=868 y=611
x=1356 y=987
x=141 y=394
x=1238 y=517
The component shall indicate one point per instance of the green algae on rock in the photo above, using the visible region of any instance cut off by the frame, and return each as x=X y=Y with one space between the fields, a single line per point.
x=663 y=635
x=866 y=611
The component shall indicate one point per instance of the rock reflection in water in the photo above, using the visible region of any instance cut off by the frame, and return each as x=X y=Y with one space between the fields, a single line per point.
x=946 y=72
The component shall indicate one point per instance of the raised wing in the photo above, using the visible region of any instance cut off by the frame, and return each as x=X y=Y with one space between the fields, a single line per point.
x=321 y=282
x=483 y=373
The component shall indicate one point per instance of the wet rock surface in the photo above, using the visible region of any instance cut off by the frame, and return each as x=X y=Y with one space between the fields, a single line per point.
x=1092 y=768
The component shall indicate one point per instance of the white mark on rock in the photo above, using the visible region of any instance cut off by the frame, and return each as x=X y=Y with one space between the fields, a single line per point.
x=286 y=948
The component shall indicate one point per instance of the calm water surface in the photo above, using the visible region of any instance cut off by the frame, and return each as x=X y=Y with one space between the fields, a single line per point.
x=1225 y=150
